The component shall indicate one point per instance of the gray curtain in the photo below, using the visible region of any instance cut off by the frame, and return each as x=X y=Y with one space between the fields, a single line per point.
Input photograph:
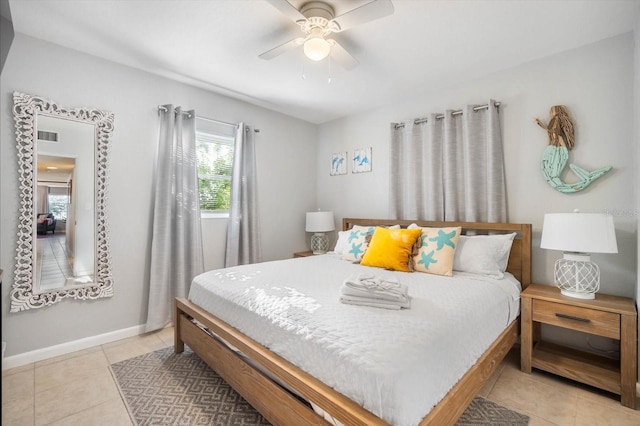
x=243 y=239
x=450 y=168
x=42 y=202
x=176 y=248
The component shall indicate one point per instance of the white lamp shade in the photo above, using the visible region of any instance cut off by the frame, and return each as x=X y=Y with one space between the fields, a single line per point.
x=317 y=48
x=579 y=232
x=320 y=222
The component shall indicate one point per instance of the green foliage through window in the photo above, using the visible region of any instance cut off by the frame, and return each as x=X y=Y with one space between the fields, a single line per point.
x=215 y=163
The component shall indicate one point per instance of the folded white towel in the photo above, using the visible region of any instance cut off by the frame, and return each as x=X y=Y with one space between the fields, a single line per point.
x=371 y=280
x=374 y=303
x=369 y=285
x=403 y=296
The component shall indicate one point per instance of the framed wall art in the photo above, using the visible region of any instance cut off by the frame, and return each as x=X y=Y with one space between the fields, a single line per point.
x=338 y=164
x=361 y=160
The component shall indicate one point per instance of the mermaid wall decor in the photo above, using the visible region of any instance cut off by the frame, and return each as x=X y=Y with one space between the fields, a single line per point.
x=556 y=154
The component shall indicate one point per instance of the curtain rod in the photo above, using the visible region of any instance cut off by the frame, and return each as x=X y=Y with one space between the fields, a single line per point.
x=163 y=108
x=441 y=116
x=218 y=121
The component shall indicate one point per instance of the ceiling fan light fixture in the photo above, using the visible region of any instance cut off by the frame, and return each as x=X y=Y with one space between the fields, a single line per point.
x=317 y=48
x=318 y=21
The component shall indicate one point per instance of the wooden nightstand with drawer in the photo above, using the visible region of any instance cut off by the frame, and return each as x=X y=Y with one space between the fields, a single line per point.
x=609 y=316
x=303 y=253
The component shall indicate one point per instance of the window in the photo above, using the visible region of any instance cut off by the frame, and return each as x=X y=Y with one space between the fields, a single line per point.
x=215 y=162
x=58 y=206
x=58 y=199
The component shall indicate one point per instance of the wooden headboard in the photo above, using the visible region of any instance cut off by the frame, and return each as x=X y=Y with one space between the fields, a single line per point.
x=519 y=260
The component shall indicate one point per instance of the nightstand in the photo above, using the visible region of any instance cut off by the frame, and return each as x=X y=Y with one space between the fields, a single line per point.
x=608 y=316
x=303 y=254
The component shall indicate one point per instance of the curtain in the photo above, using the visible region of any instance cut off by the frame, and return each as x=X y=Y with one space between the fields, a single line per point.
x=450 y=168
x=43 y=199
x=243 y=240
x=176 y=248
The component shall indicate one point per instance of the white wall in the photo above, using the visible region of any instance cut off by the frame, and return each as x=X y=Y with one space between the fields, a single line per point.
x=593 y=82
x=636 y=115
x=286 y=152
x=6 y=37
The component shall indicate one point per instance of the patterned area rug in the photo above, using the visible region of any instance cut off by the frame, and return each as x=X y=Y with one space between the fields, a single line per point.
x=484 y=412
x=162 y=388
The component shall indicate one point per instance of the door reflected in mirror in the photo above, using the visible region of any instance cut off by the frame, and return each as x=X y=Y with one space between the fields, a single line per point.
x=65 y=221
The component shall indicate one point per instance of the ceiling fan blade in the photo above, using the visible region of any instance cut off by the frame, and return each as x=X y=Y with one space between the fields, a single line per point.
x=279 y=50
x=287 y=9
x=342 y=57
x=365 y=13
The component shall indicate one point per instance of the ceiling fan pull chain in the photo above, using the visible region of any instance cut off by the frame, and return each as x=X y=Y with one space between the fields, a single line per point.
x=329 y=62
x=304 y=76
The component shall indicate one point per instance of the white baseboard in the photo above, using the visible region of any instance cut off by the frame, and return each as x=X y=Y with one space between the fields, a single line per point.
x=66 y=348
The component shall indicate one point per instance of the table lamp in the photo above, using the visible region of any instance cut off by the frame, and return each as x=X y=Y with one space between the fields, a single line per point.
x=578 y=235
x=319 y=223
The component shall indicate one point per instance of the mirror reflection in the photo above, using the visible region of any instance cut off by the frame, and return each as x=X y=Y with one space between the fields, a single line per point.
x=64 y=202
x=63 y=239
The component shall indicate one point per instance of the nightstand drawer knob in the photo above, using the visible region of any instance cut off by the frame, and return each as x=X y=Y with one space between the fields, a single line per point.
x=571 y=317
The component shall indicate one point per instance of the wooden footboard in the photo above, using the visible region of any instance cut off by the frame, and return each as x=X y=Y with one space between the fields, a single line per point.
x=274 y=403
x=460 y=396
x=278 y=405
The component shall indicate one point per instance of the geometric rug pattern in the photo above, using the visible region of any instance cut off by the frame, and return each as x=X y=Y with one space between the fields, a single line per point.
x=163 y=388
x=481 y=411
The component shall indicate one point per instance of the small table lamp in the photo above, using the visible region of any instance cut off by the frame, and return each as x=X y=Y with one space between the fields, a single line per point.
x=319 y=223
x=578 y=235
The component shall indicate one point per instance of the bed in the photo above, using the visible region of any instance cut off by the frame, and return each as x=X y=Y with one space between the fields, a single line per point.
x=281 y=387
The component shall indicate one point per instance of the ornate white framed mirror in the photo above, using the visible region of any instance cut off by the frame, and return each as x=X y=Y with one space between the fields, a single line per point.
x=63 y=246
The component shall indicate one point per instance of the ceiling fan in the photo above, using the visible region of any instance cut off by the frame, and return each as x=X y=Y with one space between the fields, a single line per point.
x=317 y=21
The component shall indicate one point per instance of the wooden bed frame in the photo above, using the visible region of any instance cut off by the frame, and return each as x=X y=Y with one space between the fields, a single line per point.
x=281 y=407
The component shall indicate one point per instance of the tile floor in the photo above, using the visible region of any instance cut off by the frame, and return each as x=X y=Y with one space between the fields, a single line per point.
x=78 y=389
x=54 y=264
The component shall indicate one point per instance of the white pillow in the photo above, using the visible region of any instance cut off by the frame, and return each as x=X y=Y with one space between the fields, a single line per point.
x=343 y=238
x=483 y=254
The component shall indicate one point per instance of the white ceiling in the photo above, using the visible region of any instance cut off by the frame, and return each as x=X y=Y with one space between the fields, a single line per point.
x=424 y=46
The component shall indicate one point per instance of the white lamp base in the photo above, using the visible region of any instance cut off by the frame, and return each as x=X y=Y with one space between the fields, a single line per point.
x=319 y=243
x=576 y=276
x=578 y=295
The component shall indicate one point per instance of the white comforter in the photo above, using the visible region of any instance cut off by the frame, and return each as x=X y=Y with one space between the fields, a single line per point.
x=397 y=364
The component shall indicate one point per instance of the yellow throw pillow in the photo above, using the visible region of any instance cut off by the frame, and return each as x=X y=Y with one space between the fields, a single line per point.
x=357 y=242
x=391 y=248
x=437 y=247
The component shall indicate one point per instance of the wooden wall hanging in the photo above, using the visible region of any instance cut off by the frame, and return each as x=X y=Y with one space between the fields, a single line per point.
x=556 y=155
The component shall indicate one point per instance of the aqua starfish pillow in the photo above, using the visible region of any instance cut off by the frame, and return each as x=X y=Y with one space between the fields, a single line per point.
x=357 y=242
x=436 y=250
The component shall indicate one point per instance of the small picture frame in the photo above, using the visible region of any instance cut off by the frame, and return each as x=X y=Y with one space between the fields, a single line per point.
x=361 y=160
x=339 y=164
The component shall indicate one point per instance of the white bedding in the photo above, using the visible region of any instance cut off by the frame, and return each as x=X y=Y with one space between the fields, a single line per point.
x=396 y=364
